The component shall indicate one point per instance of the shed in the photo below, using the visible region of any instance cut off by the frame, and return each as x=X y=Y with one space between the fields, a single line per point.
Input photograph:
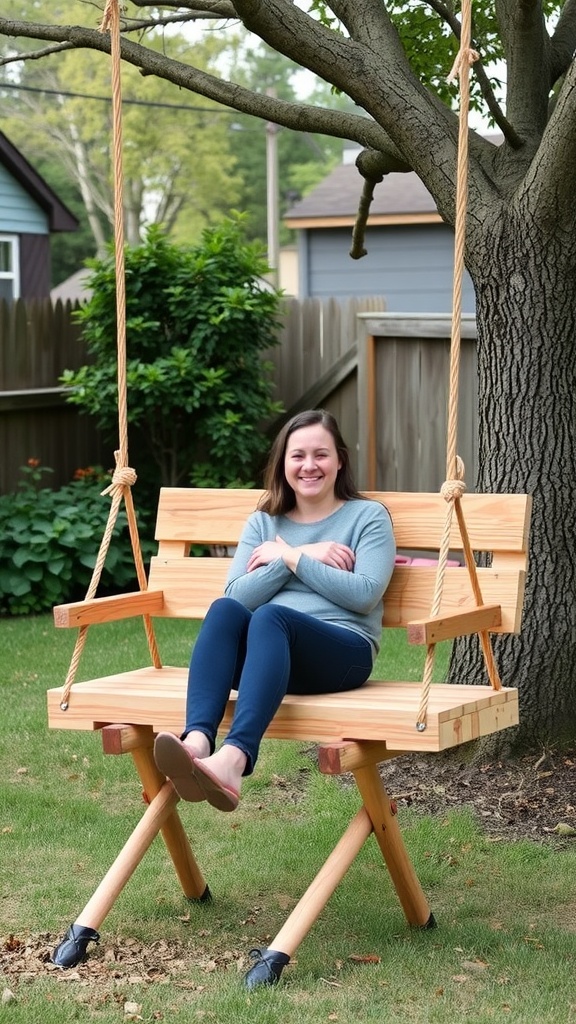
x=410 y=250
x=29 y=212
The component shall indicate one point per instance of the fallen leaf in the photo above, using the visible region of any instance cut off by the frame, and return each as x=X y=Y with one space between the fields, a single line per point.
x=368 y=958
x=562 y=829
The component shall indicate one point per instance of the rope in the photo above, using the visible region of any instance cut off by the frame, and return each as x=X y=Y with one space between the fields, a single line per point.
x=454 y=487
x=124 y=476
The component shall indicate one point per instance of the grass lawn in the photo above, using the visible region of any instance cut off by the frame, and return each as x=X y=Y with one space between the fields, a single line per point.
x=505 y=948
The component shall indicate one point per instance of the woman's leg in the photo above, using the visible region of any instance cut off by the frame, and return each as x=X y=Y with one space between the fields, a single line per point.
x=215 y=666
x=289 y=652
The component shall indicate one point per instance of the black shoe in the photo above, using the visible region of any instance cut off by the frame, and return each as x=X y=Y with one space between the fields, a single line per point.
x=268 y=967
x=72 y=949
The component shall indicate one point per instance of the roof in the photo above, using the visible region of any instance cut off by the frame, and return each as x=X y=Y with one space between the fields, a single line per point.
x=59 y=216
x=74 y=289
x=398 y=199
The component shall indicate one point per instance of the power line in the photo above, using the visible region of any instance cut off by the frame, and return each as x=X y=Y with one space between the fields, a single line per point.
x=135 y=103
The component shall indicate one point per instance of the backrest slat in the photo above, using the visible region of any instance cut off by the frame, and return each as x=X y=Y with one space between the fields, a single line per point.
x=496 y=523
x=191 y=584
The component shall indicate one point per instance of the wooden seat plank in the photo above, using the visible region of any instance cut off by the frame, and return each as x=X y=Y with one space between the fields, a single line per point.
x=384 y=711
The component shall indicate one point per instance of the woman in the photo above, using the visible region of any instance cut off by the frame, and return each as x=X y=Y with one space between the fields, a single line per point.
x=302 y=611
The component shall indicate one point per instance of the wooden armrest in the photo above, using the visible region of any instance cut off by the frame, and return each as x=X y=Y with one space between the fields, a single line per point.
x=446 y=627
x=108 y=609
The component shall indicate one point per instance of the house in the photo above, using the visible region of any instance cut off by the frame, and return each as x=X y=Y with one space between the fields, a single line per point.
x=29 y=212
x=410 y=251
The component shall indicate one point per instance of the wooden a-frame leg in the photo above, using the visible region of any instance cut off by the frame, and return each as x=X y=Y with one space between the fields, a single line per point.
x=270 y=962
x=361 y=757
x=160 y=815
x=389 y=839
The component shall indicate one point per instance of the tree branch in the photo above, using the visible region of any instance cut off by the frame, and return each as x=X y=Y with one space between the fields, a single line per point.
x=370 y=24
x=202 y=9
x=486 y=89
x=563 y=43
x=547 y=188
x=527 y=48
x=34 y=54
x=301 y=117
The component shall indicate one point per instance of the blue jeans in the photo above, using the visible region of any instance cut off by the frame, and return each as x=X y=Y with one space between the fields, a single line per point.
x=264 y=655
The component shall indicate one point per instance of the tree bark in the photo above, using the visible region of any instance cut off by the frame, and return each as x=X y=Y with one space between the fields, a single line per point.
x=527 y=433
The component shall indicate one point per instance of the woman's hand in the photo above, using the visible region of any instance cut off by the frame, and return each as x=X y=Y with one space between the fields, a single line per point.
x=265 y=553
x=340 y=556
x=331 y=552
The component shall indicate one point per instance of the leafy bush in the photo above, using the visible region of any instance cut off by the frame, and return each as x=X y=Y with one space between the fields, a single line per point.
x=50 y=541
x=197 y=322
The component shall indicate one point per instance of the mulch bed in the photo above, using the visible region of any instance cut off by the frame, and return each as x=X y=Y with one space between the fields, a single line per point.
x=531 y=797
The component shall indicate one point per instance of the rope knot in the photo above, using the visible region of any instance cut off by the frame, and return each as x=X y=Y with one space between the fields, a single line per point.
x=452 y=489
x=465 y=57
x=123 y=476
x=106 y=17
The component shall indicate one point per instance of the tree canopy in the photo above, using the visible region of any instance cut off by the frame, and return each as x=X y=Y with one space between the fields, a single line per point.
x=391 y=60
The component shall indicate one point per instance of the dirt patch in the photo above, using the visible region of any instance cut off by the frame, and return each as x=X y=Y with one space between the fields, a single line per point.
x=531 y=797
x=118 y=967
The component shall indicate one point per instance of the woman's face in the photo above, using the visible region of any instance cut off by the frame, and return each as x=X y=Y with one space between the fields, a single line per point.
x=311 y=463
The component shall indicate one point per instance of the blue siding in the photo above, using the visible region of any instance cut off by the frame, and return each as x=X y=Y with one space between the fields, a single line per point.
x=412 y=266
x=19 y=214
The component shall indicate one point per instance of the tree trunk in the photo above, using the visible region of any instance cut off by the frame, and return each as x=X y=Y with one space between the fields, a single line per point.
x=527 y=436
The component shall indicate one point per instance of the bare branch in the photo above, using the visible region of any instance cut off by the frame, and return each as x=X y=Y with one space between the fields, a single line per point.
x=563 y=41
x=134 y=24
x=369 y=24
x=202 y=9
x=302 y=117
x=35 y=54
x=372 y=166
x=527 y=47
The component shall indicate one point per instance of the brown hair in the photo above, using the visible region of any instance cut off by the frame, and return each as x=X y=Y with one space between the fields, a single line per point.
x=280 y=498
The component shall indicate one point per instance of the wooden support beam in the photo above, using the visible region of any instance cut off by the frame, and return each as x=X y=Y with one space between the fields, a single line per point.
x=446 y=627
x=129 y=857
x=173 y=833
x=122 y=739
x=346 y=756
x=108 y=609
x=387 y=832
x=312 y=903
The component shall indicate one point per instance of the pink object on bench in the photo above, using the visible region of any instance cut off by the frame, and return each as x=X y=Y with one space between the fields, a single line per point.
x=405 y=560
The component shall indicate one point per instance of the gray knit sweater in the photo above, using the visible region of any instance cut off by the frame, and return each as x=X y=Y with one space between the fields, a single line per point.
x=349 y=599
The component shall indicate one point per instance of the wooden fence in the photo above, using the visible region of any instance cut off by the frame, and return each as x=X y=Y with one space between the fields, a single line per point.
x=383 y=376
x=38 y=341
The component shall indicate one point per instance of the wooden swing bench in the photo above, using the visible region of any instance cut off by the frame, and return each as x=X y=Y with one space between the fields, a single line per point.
x=356 y=731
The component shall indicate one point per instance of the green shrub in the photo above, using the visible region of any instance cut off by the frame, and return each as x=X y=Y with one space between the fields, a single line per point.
x=49 y=540
x=198 y=321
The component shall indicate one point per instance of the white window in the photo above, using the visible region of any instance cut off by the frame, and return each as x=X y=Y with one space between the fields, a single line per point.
x=9 y=267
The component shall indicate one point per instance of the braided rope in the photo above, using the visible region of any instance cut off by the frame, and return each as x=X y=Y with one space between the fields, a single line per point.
x=124 y=476
x=454 y=486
